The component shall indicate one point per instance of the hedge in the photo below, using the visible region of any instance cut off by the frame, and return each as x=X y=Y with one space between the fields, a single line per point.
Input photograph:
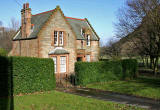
x=130 y=67
x=5 y=77
x=29 y=74
x=91 y=72
x=3 y=52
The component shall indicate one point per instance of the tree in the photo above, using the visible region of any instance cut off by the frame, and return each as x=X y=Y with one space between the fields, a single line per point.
x=141 y=20
x=7 y=34
x=112 y=48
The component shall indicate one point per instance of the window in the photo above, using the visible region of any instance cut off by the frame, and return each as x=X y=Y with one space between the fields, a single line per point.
x=55 y=37
x=60 y=37
x=82 y=32
x=32 y=28
x=88 y=40
x=63 y=64
x=55 y=64
x=88 y=59
x=81 y=44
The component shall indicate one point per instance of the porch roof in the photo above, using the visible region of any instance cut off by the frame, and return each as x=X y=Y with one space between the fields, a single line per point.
x=58 y=51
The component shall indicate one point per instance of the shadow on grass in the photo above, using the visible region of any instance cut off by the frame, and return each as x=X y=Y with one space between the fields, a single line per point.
x=154 y=82
x=143 y=86
x=6 y=84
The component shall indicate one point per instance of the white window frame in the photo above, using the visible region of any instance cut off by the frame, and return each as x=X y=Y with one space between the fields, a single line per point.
x=88 y=58
x=55 y=64
x=32 y=28
x=63 y=62
x=88 y=40
x=54 y=38
x=82 y=32
x=61 y=34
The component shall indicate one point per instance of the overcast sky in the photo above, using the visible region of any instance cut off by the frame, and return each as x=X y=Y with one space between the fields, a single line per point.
x=100 y=13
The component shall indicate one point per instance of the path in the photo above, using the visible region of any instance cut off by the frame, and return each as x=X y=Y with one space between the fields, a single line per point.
x=114 y=97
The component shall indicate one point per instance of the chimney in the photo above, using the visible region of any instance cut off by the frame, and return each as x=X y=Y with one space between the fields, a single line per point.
x=26 y=20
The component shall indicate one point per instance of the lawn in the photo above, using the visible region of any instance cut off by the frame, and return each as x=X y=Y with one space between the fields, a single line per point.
x=143 y=86
x=62 y=101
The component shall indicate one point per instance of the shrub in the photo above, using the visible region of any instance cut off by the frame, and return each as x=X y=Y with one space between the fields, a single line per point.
x=3 y=52
x=31 y=74
x=89 y=72
x=130 y=67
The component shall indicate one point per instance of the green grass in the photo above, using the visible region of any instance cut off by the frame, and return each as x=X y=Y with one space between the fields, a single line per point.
x=62 y=101
x=143 y=86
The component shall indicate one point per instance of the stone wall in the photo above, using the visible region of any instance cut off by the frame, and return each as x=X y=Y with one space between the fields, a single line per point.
x=95 y=49
x=25 y=48
x=58 y=23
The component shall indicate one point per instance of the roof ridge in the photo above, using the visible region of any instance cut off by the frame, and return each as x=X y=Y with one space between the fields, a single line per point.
x=75 y=18
x=43 y=12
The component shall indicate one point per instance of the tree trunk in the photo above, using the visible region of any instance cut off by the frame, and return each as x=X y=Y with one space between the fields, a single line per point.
x=147 y=63
x=155 y=69
x=151 y=62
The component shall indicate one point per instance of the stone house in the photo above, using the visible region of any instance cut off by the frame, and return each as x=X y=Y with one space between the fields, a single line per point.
x=52 y=35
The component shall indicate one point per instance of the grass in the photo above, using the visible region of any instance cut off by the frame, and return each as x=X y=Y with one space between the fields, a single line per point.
x=55 y=100
x=143 y=86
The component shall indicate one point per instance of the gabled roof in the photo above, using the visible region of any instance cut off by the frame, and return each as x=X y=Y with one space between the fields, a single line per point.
x=39 y=20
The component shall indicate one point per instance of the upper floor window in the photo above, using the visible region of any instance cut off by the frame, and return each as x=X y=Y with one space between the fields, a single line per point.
x=61 y=37
x=58 y=38
x=88 y=40
x=55 y=37
x=82 y=32
x=32 y=28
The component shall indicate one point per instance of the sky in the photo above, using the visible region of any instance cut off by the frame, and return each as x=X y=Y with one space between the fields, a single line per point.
x=102 y=14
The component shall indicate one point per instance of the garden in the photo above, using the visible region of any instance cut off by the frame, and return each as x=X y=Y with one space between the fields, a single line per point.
x=29 y=83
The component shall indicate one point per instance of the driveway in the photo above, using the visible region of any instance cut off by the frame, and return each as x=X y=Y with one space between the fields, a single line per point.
x=114 y=97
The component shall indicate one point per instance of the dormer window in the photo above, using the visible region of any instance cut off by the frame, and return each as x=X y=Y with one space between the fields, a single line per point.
x=82 y=32
x=88 y=40
x=32 y=28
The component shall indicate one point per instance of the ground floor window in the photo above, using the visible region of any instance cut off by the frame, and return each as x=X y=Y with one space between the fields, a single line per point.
x=55 y=64
x=88 y=59
x=63 y=64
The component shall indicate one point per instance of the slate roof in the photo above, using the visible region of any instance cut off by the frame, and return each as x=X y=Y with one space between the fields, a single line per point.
x=39 y=20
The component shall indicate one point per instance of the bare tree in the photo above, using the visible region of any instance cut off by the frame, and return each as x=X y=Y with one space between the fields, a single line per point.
x=141 y=20
x=113 y=48
x=7 y=34
x=14 y=24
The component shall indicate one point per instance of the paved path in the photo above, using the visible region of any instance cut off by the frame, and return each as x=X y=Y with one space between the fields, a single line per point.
x=114 y=97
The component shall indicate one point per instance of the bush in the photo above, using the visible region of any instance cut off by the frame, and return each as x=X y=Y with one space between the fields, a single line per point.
x=90 y=72
x=31 y=74
x=130 y=67
x=3 y=52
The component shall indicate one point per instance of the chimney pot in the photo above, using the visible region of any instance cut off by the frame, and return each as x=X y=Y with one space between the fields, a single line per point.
x=24 y=6
x=27 y=5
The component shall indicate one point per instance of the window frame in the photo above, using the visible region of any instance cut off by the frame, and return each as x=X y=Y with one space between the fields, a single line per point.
x=61 y=64
x=56 y=44
x=55 y=64
x=89 y=58
x=61 y=37
x=88 y=40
